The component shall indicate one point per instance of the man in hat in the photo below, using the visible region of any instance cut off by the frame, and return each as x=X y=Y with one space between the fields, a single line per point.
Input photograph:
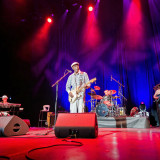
x=156 y=96
x=4 y=103
x=75 y=86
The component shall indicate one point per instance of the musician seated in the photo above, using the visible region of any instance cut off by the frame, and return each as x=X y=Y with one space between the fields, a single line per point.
x=4 y=103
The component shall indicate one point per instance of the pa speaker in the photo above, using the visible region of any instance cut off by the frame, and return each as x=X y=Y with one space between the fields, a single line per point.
x=12 y=126
x=80 y=125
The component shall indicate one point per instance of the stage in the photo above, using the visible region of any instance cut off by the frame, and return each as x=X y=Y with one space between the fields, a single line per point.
x=106 y=52
x=111 y=143
x=123 y=122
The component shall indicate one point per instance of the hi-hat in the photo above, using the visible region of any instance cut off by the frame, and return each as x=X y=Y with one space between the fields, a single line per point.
x=96 y=87
x=98 y=97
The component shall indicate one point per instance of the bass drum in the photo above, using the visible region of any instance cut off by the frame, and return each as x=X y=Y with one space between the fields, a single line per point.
x=102 y=110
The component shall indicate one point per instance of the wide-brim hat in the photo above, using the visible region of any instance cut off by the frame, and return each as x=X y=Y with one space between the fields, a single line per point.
x=74 y=63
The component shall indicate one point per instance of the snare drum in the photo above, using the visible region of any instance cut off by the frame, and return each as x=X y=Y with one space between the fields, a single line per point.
x=102 y=110
x=107 y=100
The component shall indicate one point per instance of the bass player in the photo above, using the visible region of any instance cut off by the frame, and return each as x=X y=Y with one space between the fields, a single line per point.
x=156 y=96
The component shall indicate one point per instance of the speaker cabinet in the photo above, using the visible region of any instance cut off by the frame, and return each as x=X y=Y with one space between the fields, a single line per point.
x=50 y=119
x=77 y=125
x=12 y=126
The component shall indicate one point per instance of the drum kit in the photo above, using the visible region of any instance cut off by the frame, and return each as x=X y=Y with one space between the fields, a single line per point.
x=106 y=105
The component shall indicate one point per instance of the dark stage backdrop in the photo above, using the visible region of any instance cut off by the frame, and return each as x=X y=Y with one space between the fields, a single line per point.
x=120 y=38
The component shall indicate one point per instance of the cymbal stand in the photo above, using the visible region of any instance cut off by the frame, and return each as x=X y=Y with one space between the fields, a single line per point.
x=115 y=106
x=92 y=100
x=123 y=99
x=119 y=90
x=56 y=83
x=112 y=114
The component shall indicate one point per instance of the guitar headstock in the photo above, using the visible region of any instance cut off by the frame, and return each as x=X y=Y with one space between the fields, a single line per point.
x=93 y=80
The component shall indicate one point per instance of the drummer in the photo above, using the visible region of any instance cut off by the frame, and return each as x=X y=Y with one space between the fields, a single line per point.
x=107 y=98
x=107 y=92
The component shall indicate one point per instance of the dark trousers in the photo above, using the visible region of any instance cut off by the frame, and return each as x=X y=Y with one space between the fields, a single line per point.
x=158 y=111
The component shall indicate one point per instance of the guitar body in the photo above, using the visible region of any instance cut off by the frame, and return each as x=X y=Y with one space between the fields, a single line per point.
x=78 y=90
x=75 y=96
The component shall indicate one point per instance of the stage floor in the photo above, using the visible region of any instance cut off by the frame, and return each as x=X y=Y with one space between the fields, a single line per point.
x=111 y=143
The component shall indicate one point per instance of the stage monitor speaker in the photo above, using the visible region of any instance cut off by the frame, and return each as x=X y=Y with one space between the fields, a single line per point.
x=77 y=125
x=12 y=126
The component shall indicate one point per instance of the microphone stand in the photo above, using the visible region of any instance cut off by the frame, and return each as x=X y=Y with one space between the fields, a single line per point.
x=56 y=83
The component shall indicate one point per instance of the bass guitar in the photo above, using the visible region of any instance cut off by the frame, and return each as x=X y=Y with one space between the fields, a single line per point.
x=76 y=91
x=157 y=100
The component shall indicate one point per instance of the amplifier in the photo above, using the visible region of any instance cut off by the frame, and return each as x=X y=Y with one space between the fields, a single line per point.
x=50 y=119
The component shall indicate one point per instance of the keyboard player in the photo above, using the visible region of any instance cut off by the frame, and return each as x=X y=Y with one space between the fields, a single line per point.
x=4 y=103
x=7 y=108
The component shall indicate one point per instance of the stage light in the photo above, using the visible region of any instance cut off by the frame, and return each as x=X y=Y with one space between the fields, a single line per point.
x=49 y=20
x=90 y=8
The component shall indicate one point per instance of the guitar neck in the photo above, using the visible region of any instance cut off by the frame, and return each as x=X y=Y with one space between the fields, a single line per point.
x=91 y=81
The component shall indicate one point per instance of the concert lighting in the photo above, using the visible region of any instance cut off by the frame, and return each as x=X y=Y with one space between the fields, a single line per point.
x=49 y=20
x=90 y=8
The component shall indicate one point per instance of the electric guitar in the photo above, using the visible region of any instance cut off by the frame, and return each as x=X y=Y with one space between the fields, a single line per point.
x=76 y=91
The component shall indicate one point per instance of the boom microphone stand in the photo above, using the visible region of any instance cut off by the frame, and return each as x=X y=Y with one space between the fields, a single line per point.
x=119 y=90
x=56 y=83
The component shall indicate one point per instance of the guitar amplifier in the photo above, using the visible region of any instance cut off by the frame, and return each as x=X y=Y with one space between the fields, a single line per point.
x=50 y=119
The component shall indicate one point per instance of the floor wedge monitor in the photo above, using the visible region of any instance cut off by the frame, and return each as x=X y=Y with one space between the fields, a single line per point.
x=12 y=126
x=77 y=125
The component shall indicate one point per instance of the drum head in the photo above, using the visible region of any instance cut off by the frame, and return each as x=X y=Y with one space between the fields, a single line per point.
x=102 y=110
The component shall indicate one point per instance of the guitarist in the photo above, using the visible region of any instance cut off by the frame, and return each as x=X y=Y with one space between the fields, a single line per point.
x=157 y=99
x=76 y=80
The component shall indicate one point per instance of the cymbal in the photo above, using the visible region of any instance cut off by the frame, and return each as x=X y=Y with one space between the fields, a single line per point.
x=113 y=91
x=96 y=87
x=91 y=93
x=98 y=97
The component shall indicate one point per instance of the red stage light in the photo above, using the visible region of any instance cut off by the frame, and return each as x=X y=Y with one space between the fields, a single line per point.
x=90 y=8
x=49 y=20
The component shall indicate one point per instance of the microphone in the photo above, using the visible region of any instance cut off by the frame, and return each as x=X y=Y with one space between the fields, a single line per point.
x=111 y=77
x=69 y=71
